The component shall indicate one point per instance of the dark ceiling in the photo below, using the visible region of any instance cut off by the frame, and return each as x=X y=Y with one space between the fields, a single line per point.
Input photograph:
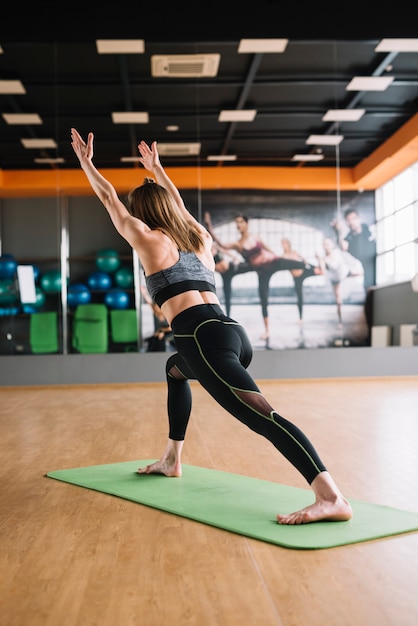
x=69 y=84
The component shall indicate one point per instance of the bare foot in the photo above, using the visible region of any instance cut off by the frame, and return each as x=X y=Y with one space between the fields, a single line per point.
x=338 y=510
x=264 y=336
x=330 y=505
x=163 y=466
x=169 y=463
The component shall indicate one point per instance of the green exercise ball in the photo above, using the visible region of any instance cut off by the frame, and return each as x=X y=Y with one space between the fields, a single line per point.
x=124 y=277
x=51 y=281
x=8 y=293
x=107 y=260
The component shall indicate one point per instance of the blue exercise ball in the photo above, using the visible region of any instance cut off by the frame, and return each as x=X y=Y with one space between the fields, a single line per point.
x=51 y=281
x=124 y=277
x=8 y=266
x=36 y=273
x=12 y=310
x=117 y=299
x=107 y=260
x=78 y=293
x=99 y=280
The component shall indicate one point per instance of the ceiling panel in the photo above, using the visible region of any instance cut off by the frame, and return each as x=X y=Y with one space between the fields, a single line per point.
x=69 y=84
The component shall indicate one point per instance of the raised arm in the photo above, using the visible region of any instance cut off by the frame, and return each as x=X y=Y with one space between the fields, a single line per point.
x=127 y=226
x=151 y=162
x=342 y=242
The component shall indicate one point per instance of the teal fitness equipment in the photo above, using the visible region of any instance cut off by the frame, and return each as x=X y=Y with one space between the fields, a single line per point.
x=107 y=260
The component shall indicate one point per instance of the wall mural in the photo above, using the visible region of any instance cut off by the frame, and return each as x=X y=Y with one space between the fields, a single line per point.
x=293 y=268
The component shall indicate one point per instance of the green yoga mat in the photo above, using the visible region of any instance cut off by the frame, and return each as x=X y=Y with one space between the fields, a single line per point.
x=239 y=504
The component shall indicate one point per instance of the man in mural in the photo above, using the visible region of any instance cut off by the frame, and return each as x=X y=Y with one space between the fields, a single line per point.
x=360 y=242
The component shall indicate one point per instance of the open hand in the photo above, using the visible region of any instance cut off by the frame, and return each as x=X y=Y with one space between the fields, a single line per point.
x=83 y=150
x=149 y=155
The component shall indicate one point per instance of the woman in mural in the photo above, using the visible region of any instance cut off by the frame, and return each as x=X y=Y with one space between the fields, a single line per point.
x=228 y=266
x=299 y=275
x=162 y=336
x=338 y=265
x=175 y=252
x=258 y=256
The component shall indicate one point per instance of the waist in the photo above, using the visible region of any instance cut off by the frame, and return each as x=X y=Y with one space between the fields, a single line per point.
x=195 y=314
x=261 y=258
x=183 y=302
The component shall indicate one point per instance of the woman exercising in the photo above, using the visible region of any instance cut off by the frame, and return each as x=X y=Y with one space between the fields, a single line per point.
x=175 y=251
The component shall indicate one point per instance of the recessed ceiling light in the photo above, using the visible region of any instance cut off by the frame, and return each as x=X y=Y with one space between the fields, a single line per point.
x=262 y=45
x=11 y=87
x=325 y=140
x=39 y=143
x=307 y=157
x=343 y=115
x=120 y=46
x=172 y=128
x=21 y=118
x=237 y=116
x=222 y=157
x=51 y=161
x=1 y=50
x=130 y=117
x=397 y=45
x=131 y=159
x=369 y=83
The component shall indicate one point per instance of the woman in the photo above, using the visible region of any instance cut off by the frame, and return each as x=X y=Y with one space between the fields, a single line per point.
x=298 y=275
x=227 y=268
x=258 y=256
x=335 y=266
x=175 y=251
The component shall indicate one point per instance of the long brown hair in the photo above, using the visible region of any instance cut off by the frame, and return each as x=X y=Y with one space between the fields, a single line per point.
x=153 y=204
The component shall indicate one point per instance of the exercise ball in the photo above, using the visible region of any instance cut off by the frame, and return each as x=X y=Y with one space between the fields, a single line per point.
x=78 y=293
x=124 y=277
x=8 y=266
x=107 y=260
x=8 y=293
x=99 y=280
x=36 y=273
x=38 y=304
x=12 y=310
x=117 y=299
x=51 y=281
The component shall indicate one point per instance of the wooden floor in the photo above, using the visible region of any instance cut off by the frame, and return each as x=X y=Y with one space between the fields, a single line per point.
x=74 y=557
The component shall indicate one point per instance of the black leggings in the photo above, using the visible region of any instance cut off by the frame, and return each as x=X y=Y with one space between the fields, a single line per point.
x=298 y=281
x=215 y=350
x=266 y=271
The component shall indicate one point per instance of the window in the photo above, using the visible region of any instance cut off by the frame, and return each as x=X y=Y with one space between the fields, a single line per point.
x=397 y=228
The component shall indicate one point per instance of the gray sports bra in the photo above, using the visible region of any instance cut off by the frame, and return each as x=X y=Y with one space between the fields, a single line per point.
x=187 y=274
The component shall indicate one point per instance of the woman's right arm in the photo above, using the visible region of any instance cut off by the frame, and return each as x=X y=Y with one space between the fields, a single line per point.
x=126 y=225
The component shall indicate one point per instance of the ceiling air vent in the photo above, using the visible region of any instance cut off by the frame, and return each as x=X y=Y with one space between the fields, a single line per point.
x=185 y=65
x=178 y=149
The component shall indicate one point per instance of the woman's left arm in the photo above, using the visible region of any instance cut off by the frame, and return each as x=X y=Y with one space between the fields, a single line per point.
x=151 y=162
